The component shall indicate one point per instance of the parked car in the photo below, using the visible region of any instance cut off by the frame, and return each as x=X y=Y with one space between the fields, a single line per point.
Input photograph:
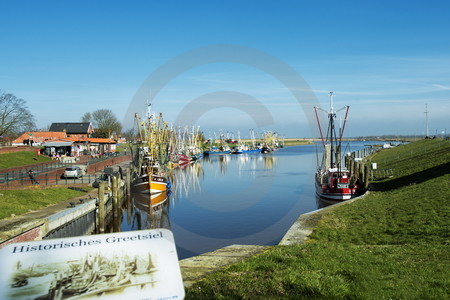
x=73 y=172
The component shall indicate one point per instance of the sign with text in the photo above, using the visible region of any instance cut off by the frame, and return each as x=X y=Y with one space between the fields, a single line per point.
x=128 y=265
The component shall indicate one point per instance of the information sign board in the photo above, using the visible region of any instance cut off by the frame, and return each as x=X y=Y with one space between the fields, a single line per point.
x=127 y=265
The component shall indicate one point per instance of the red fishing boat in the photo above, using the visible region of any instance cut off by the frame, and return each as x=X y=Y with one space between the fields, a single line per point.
x=333 y=180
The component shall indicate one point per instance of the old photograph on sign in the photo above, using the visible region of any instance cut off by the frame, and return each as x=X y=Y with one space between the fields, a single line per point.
x=137 y=265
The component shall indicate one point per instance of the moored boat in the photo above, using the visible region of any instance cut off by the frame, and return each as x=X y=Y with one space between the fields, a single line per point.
x=216 y=152
x=237 y=150
x=265 y=149
x=333 y=180
x=157 y=184
x=252 y=151
x=151 y=158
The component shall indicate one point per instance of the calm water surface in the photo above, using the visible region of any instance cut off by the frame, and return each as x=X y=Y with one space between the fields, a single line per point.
x=232 y=199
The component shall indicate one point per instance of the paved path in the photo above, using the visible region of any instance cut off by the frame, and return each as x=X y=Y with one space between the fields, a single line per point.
x=196 y=267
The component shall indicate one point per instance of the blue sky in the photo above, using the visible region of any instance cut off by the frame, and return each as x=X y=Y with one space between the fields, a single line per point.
x=385 y=59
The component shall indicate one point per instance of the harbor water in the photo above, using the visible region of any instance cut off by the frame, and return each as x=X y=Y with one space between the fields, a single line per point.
x=249 y=199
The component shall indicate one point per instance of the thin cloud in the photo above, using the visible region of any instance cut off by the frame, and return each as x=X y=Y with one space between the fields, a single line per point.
x=441 y=87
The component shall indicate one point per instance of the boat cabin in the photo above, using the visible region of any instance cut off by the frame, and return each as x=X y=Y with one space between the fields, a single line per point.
x=338 y=179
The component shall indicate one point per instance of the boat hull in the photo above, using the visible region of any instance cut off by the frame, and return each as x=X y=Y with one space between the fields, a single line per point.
x=158 y=184
x=252 y=151
x=336 y=194
x=265 y=150
x=217 y=152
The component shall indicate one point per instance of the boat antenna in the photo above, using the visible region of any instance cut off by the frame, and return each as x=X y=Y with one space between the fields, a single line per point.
x=331 y=102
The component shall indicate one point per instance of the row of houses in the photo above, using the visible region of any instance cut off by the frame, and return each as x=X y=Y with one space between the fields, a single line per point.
x=67 y=139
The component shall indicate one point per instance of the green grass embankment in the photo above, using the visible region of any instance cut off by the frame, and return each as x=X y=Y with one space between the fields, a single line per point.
x=21 y=158
x=16 y=202
x=391 y=244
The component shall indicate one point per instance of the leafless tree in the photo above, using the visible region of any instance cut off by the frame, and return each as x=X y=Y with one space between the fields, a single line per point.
x=15 y=117
x=104 y=122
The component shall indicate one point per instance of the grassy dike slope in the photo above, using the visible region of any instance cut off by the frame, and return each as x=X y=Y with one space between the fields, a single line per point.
x=21 y=158
x=17 y=202
x=391 y=244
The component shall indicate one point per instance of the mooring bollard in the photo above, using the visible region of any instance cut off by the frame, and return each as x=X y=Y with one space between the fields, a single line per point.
x=101 y=207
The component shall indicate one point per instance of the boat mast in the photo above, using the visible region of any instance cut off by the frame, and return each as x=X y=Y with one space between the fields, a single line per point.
x=331 y=128
x=332 y=138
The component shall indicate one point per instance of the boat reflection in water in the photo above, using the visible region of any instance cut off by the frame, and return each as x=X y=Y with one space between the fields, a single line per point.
x=322 y=202
x=149 y=211
x=186 y=180
x=221 y=160
x=269 y=161
x=247 y=161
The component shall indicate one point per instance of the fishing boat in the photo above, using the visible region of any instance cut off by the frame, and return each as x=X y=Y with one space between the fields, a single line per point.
x=216 y=152
x=223 y=148
x=252 y=148
x=151 y=156
x=265 y=150
x=185 y=146
x=151 y=181
x=237 y=150
x=270 y=142
x=219 y=147
x=333 y=180
x=243 y=148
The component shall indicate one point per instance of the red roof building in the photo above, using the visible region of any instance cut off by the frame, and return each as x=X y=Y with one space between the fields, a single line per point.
x=37 y=138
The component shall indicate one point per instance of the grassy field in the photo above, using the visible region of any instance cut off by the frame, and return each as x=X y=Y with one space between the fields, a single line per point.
x=295 y=142
x=21 y=158
x=391 y=244
x=16 y=202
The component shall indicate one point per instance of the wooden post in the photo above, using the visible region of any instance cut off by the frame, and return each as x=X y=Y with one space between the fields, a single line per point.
x=358 y=171
x=366 y=177
x=101 y=207
x=361 y=172
x=116 y=202
x=120 y=188
x=128 y=181
x=114 y=195
x=350 y=167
